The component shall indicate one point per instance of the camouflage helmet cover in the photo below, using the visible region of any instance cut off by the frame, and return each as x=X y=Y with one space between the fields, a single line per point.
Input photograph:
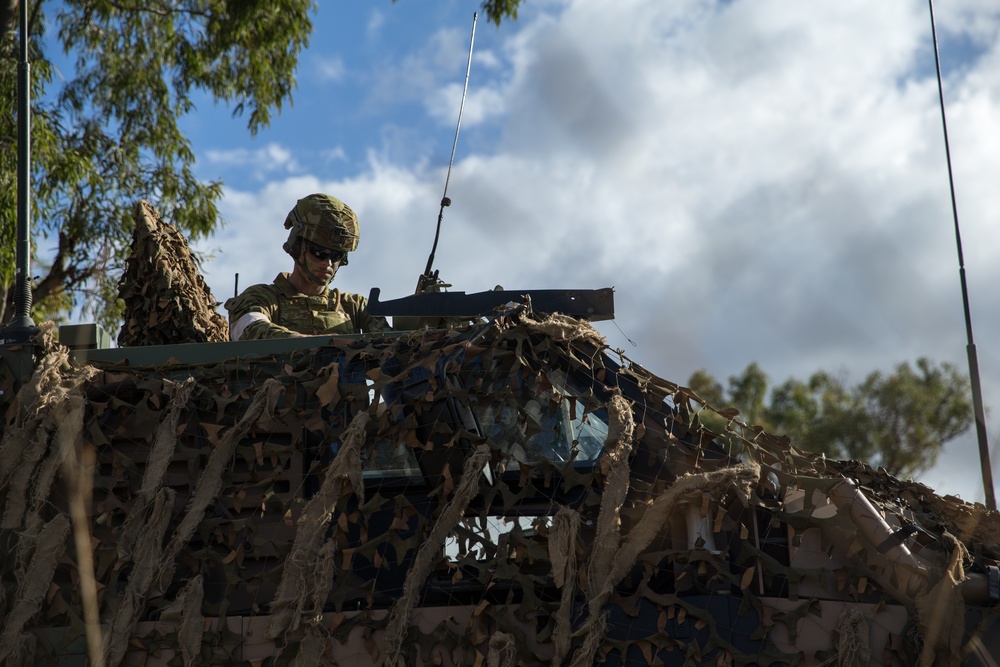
x=323 y=220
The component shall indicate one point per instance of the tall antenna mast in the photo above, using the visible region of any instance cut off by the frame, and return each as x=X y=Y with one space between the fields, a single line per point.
x=977 y=391
x=22 y=327
x=428 y=281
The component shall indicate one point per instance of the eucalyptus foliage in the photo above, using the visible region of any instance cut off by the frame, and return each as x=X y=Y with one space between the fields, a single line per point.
x=498 y=10
x=898 y=420
x=105 y=129
x=106 y=133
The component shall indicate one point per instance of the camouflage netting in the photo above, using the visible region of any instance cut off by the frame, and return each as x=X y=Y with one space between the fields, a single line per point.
x=166 y=298
x=572 y=503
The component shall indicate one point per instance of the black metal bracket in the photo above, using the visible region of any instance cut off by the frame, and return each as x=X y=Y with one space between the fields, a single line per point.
x=595 y=305
x=897 y=538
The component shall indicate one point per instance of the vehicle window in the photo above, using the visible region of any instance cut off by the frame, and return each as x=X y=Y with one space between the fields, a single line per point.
x=549 y=417
x=553 y=426
x=390 y=459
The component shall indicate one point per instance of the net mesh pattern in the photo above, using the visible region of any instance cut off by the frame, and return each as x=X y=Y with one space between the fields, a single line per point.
x=513 y=493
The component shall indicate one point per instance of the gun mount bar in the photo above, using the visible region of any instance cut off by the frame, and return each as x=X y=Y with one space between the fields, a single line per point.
x=595 y=305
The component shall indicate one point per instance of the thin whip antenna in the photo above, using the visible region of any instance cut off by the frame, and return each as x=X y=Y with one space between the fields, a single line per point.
x=444 y=198
x=977 y=392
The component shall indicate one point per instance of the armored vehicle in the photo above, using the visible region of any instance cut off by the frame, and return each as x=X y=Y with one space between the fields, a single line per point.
x=506 y=492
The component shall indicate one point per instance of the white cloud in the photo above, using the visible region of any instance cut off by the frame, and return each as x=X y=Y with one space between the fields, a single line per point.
x=486 y=59
x=263 y=162
x=337 y=154
x=375 y=22
x=760 y=180
x=481 y=105
x=434 y=75
x=330 y=69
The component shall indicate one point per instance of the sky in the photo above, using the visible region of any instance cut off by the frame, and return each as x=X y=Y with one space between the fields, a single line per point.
x=759 y=180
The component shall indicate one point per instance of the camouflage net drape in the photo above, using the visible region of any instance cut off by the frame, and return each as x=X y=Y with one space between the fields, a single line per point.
x=572 y=503
x=166 y=298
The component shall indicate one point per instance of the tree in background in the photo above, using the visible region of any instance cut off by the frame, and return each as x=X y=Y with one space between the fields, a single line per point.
x=105 y=129
x=498 y=10
x=898 y=421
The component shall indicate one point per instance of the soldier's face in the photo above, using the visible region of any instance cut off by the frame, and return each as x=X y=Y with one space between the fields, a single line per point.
x=323 y=267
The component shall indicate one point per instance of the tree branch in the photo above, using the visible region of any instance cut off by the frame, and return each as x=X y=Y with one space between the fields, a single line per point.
x=53 y=282
x=33 y=20
x=161 y=11
x=8 y=18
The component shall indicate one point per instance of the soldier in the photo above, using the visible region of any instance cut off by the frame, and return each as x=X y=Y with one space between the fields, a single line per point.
x=323 y=230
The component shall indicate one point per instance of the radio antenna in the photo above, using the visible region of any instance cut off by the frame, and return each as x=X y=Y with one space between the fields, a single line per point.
x=428 y=281
x=22 y=327
x=977 y=391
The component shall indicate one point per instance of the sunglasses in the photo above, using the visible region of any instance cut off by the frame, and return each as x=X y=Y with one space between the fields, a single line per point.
x=323 y=254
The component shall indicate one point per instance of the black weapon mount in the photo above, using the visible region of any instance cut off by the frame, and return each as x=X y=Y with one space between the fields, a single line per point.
x=595 y=305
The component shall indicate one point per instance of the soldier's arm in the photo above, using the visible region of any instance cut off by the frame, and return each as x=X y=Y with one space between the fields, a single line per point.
x=356 y=307
x=252 y=313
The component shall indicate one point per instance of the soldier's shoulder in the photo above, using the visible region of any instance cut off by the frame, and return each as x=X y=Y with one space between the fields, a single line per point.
x=349 y=301
x=353 y=298
x=255 y=295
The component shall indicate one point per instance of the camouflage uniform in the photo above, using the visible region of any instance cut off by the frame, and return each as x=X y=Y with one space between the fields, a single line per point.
x=279 y=311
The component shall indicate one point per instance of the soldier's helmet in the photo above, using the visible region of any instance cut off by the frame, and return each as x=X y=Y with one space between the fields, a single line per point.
x=323 y=220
